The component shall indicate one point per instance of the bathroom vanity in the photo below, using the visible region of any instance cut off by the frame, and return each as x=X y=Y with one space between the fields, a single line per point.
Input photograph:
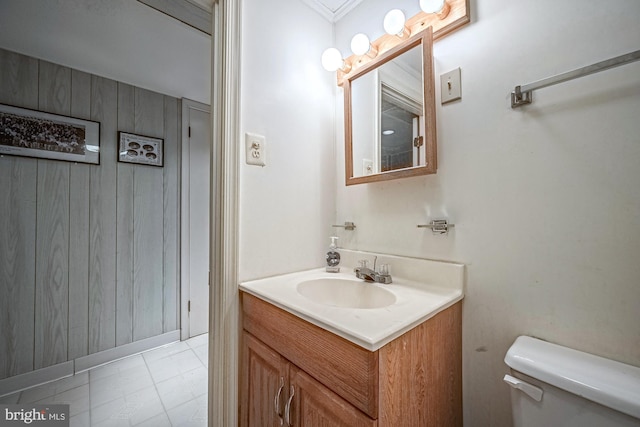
x=306 y=362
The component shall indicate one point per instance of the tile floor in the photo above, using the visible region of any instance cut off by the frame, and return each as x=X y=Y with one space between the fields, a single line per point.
x=166 y=386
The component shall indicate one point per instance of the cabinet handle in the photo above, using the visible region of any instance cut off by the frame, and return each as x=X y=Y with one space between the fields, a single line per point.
x=287 y=408
x=276 y=400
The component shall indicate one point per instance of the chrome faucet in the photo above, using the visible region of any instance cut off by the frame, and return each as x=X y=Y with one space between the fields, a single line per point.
x=371 y=275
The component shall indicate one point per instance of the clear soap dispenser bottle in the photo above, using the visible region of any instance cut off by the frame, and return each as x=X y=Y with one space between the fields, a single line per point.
x=333 y=257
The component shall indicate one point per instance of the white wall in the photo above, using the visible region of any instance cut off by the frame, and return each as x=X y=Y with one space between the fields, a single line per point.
x=545 y=199
x=286 y=207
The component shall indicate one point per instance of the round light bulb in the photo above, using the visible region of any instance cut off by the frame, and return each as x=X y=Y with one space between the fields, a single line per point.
x=432 y=6
x=332 y=59
x=394 y=22
x=360 y=44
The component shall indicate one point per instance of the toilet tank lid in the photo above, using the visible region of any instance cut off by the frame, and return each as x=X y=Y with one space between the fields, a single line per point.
x=607 y=382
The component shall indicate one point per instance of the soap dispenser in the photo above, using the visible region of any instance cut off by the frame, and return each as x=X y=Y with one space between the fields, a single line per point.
x=333 y=257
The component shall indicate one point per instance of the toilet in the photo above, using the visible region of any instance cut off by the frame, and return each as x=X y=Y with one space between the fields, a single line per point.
x=556 y=386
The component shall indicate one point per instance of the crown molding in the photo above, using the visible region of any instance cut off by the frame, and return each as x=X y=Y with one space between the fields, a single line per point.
x=332 y=15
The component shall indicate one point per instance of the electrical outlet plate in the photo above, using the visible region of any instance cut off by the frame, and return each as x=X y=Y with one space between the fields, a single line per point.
x=367 y=167
x=256 y=149
x=450 y=86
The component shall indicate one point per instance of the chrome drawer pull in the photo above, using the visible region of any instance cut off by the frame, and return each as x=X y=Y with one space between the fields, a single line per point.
x=276 y=400
x=287 y=409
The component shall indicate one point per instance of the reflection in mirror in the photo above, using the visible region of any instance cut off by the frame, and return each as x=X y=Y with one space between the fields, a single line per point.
x=401 y=111
x=392 y=95
x=400 y=130
x=390 y=115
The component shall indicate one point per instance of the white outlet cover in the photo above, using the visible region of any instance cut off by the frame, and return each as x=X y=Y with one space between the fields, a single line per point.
x=367 y=167
x=256 y=149
x=450 y=86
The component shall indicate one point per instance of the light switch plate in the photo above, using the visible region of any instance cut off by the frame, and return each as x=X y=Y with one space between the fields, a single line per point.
x=450 y=86
x=256 y=149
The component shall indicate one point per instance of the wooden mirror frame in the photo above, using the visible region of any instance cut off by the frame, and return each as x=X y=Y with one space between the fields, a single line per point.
x=425 y=39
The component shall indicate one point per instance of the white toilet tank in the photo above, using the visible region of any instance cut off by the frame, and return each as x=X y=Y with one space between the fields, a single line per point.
x=555 y=386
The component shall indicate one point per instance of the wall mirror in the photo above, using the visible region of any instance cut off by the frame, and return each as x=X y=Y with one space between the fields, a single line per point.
x=389 y=114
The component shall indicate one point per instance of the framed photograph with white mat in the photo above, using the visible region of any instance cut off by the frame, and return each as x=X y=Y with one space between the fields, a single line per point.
x=32 y=133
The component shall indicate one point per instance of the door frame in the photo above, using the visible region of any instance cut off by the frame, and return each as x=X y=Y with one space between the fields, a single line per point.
x=224 y=298
x=185 y=220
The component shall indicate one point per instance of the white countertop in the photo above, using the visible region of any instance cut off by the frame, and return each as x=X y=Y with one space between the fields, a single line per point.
x=368 y=328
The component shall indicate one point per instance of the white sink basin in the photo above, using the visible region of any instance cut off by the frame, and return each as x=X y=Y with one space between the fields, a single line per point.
x=346 y=293
x=369 y=315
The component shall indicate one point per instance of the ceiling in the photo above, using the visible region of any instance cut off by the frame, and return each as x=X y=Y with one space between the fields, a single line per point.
x=198 y=13
x=124 y=40
x=205 y=4
x=332 y=10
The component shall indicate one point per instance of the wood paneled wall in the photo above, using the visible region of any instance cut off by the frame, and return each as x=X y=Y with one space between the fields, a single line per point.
x=88 y=253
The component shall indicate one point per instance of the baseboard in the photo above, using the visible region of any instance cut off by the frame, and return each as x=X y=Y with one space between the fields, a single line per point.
x=21 y=382
x=85 y=363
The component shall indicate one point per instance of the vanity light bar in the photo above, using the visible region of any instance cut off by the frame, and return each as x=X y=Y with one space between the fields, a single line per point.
x=453 y=15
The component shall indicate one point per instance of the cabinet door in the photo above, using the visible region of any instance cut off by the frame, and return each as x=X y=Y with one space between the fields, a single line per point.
x=264 y=385
x=314 y=405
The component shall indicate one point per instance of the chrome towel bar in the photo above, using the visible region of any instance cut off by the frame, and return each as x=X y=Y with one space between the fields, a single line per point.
x=521 y=95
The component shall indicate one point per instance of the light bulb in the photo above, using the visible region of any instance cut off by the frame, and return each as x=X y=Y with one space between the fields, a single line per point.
x=332 y=59
x=360 y=44
x=439 y=7
x=394 y=22
x=431 y=6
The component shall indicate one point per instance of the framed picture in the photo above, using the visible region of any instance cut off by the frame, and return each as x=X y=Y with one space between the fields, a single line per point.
x=140 y=149
x=32 y=133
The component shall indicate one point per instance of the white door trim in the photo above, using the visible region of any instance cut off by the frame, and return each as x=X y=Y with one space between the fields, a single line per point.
x=185 y=218
x=224 y=303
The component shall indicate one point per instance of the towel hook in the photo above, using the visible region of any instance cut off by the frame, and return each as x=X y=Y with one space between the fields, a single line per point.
x=348 y=225
x=438 y=226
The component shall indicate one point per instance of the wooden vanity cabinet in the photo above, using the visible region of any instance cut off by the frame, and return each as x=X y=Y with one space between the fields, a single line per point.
x=264 y=385
x=268 y=384
x=415 y=380
x=315 y=405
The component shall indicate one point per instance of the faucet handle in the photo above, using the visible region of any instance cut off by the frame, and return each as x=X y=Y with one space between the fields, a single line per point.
x=384 y=269
x=363 y=263
x=383 y=275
